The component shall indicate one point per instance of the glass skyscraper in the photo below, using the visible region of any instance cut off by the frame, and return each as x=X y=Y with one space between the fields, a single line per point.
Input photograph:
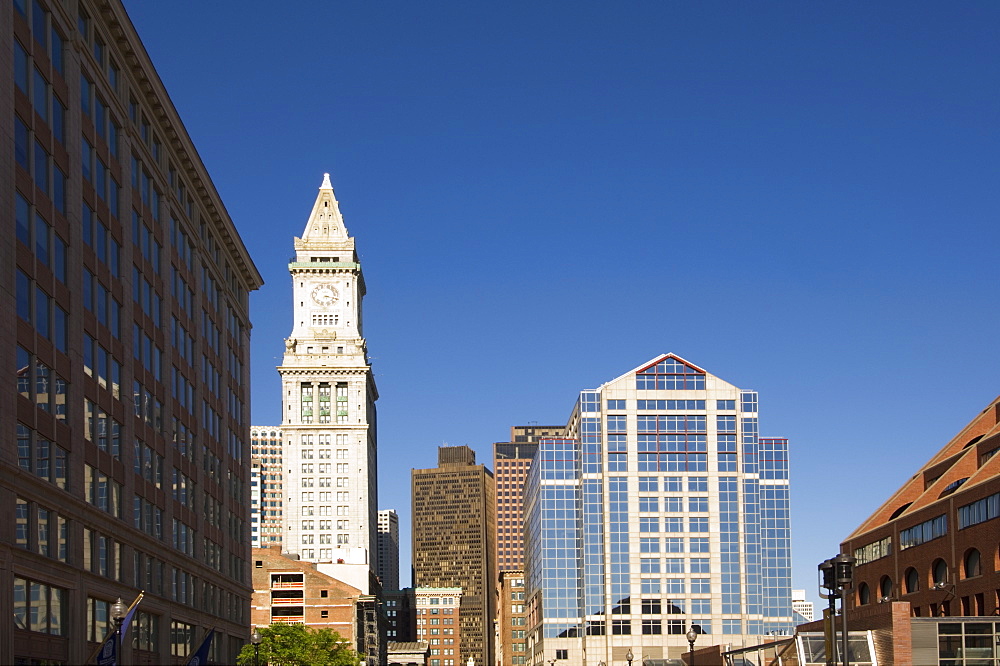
x=662 y=509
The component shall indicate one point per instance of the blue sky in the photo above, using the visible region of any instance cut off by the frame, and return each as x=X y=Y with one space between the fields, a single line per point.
x=799 y=197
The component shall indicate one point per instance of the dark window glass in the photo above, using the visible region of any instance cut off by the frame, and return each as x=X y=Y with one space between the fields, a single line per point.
x=59 y=258
x=58 y=120
x=41 y=167
x=40 y=98
x=59 y=189
x=41 y=240
x=21 y=215
x=23 y=297
x=21 y=143
x=21 y=67
x=57 y=51
x=38 y=29
x=42 y=313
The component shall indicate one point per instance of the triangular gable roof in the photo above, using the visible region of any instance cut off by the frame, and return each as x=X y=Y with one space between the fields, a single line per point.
x=651 y=363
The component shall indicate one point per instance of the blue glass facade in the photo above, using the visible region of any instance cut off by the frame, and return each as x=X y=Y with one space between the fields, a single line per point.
x=666 y=511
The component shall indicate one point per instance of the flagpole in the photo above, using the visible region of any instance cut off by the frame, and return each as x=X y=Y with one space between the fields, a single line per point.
x=124 y=627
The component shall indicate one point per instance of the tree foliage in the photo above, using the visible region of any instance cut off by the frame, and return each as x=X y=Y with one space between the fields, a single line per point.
x=299 y=645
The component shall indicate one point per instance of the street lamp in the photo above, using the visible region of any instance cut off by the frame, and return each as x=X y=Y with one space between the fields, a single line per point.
x=118 y=610
x=844 y=565
x=255 y=641
x=629 y=656
x=692 y=636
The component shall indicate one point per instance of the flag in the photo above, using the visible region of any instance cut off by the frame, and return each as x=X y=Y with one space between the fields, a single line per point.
x=106 y=653
x=201 y=656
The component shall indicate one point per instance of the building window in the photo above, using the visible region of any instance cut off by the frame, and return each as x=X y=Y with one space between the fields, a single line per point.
x=973 y=566
x=562 y=654
x=912 y=579
x=939 y=572
x=864 y=595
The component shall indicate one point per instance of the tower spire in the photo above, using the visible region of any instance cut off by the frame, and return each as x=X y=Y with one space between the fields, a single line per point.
x=325 y=222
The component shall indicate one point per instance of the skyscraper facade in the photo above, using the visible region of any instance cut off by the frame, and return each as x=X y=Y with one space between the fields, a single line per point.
x=653 y=517
x=510 y=467
x=126 y=289
x=454 y=525
x=266 y=494
x=388 y=549
x=328 y=394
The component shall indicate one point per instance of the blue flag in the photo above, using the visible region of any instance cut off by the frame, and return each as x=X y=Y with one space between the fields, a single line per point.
x=107 y=652
x=201 y=656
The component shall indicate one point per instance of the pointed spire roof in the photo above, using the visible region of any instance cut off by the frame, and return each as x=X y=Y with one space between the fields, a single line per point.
x=325 y=222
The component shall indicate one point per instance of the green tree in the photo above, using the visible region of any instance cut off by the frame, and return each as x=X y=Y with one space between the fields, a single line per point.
x=298 y=645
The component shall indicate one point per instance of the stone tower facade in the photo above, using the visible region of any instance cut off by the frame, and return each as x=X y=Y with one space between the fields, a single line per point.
x=328 y=396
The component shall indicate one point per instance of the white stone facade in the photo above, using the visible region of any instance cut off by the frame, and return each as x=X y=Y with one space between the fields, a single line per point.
x=328 y=399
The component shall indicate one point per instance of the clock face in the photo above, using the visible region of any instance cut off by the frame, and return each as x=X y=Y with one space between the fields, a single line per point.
x=325 y=294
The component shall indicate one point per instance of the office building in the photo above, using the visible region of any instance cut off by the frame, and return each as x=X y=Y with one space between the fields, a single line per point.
x=662 y=510
x=510 y=466
x=803 y=609
x=387 y=567
x=400 y=615
x=328 y=394
x=126 y=287
x=438 y=623
x=511 y=632
x=266 y=495
x=453 y=530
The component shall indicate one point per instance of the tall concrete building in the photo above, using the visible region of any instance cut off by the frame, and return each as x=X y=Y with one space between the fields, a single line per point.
x=388 y=549
x=454 y=526
x=328 y=395
x=125 y=290
x=510 y=466
x=663 y=510
x=266 y=493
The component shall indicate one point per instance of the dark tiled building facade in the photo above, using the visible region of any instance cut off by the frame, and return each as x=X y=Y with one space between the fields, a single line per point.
x=454 y=525
x=124 y=291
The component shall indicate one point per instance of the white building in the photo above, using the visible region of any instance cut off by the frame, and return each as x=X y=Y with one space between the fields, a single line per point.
x=328 y=400
x=662 y=511
x=387 y=567
x=802 y=607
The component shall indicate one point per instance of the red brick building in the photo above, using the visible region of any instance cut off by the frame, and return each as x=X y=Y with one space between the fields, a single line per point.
x=287 y=590
x=934 y=543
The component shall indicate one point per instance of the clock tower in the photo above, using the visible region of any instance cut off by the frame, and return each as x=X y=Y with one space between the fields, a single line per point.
x=328 y=400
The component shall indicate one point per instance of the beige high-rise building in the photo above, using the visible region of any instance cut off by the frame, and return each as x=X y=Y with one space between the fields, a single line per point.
x=454 y=525
x=328 y=396
x=125 y=300
x=265 y=487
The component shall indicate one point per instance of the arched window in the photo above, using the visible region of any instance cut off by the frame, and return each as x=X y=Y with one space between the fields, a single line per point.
x=864 y=595
x=912 y=580
x=939 y=572
x=885 y=589
x=973 y=565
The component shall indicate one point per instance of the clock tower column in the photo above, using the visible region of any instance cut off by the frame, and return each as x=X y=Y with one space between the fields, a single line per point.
x=328 y=396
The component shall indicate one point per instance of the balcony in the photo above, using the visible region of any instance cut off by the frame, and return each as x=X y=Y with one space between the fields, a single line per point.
x=288 y=619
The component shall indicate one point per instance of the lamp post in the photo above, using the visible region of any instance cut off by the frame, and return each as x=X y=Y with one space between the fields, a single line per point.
x=845 y=579
x=828 y=582
x=692 y=636
x=629 y=656
x=255 y=641
x=118 y=610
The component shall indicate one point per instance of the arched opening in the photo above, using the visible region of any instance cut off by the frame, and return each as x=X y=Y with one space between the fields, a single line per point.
x=939 y=572
x=885 y=589
x=973 y=564
x=912 y=579
x=864 y=595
